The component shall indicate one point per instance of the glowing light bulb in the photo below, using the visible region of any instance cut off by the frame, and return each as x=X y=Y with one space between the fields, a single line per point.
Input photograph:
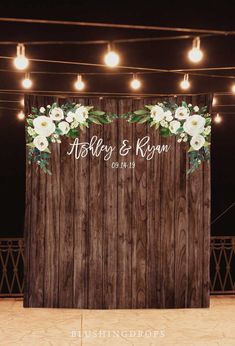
x=21 y=115
x=217 y=118
x=22 y=102
x=111 y=58
x=21 y=62
x=185 y=84
x=26 y=82
x=79 y=84
x=195 y=54
x=233 y=88
x=135 y=83
x=214 y=102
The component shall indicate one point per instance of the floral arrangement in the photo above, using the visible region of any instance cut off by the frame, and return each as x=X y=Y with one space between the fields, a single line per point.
x=47 y=125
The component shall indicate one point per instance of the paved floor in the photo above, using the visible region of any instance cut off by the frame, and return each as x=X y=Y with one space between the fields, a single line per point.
x=61 y=327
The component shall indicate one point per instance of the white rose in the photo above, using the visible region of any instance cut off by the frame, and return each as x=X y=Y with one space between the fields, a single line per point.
x=74 y=124
x=207 y=130
x=40 y=142
x=168 y=116
x=43 y=126
x=197 y=142
x=194 y=125
x=81 y=114
x=57 y=114
x=42 y=110
x=182 y=113
x=157 y=113
x=196 y=109
x=64 y=127
x=164 y=123
x=174 y=126
x=70 y=117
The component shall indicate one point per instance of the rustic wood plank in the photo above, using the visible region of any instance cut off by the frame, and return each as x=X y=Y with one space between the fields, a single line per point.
x=96 y=199
x=167 y=224
x=110 y=210
x=153 y=275
x=66 y=246
x=81 y=224
x=181 y=227
x=52 y=231
x=125 y=132
x=139 y=220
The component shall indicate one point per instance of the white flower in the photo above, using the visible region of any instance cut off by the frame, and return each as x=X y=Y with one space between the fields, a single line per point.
x=164 y=123
x=194 y=125
x=70 y=117
x=81 y=114
x=40 y=142
x=74 y=124
x=179 y=140
x=174 y=126
x=31 y=131
x=182 y=113
x=207 y=130
x=157 y=113
x=196 y=109
x=168 y=115
x=64 y=127
x=197 y=142
x=43 y=126
x=57 y=114
x=42 y=110
x=189 y=105
x=48 y=106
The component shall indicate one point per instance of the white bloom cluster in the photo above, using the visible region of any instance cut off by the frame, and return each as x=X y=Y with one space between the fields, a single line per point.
x=45 y=126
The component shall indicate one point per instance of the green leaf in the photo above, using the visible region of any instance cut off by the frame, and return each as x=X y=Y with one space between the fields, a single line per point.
x=149 y=107
x=208 y=121
x=180 y=130
x=30 y=122
x=190 y=150
x=165 y=132
x=95 y=120
x=144 y=119
x=31 y=145
x=47 y=150
x=141 y=112
x=134 y=119
x=184 y=104
x=97 y=113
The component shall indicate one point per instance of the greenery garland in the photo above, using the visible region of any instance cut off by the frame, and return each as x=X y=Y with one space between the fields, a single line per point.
x=191 y=125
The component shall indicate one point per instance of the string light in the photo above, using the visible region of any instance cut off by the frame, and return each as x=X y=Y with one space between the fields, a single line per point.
x=185 y=84
x=217 y=119
x=27 y=83
x=21 y=115
x=195 y=54
x=21 y=62
x=79 y=84
x=233 y=88
x=135 y=83
x=214 y=102
x=111 y=58
x=22 y=102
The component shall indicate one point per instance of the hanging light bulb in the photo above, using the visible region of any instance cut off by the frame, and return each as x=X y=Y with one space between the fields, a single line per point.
x=21 y=115
x=22 y=102
x=214 y=101
x=135 y=83
x=217 y=119
x=111 y=58
x=195 y=54
x=185 y=84
x=21 y=62
x=26 y=82
x=233 y=88
x=79 y=84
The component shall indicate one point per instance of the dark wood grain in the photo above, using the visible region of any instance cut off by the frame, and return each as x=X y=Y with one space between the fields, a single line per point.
x=99 y=237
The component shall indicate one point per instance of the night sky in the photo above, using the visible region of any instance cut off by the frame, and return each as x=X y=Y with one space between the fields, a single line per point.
x=219 y=51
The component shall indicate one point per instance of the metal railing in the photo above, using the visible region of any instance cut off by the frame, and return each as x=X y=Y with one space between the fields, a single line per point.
x=11 y=267
x=222 y=266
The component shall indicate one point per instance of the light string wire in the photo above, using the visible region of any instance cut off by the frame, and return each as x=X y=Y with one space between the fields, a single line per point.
x=117 y=26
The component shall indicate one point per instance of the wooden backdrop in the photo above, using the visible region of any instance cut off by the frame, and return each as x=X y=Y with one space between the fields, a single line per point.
x=98 y=237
